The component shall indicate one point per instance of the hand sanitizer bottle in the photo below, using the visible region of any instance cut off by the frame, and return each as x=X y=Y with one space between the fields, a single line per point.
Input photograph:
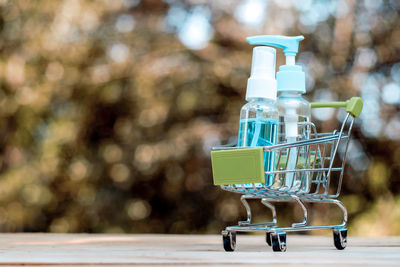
x=294 y=110
x=259 y=117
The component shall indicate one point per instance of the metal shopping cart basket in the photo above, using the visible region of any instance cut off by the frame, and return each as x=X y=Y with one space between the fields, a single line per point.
x=315 y=176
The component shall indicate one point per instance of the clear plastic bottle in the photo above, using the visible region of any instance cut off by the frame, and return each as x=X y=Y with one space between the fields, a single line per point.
x=259 y=118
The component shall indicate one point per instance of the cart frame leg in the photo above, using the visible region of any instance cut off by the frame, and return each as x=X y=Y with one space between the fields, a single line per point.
x=266 y=203
x=305 y=212
x=269 y=205
x=243 y=199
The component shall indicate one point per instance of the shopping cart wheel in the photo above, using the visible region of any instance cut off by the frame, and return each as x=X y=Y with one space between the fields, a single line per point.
x=229 y=240
x=268 y=238
x=340 y=238
x=278 y=241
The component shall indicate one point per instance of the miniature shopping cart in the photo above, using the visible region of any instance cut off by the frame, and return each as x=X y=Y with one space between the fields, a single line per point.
x=315 y=177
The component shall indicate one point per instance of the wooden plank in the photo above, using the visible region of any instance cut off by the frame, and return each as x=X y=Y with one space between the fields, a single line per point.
x=103 y=249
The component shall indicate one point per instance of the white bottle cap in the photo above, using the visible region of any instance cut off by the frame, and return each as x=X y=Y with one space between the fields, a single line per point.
x=262 y=83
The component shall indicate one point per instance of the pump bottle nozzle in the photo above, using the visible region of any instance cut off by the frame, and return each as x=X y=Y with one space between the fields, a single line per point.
x=290 y=45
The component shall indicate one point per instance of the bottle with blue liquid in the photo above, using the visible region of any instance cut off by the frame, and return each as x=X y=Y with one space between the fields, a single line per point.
x=259 y=118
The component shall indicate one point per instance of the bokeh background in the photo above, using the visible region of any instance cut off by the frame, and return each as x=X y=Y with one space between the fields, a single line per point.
x=109 y=109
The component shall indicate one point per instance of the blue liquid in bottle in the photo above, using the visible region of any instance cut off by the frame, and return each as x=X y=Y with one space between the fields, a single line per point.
x=255 y=132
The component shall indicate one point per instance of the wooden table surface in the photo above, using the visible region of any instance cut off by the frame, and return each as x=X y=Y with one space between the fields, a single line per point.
x=153 y=250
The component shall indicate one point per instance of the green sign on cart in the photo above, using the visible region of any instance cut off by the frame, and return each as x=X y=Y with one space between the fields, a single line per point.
x=238 y=166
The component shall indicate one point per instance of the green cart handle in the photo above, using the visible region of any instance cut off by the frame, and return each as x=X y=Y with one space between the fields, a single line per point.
x=353 y=106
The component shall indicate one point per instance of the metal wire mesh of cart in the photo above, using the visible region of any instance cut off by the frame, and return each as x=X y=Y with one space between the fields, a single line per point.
x=315 y=166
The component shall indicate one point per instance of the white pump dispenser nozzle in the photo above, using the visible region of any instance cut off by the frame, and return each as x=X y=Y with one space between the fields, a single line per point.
x=262 y=83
